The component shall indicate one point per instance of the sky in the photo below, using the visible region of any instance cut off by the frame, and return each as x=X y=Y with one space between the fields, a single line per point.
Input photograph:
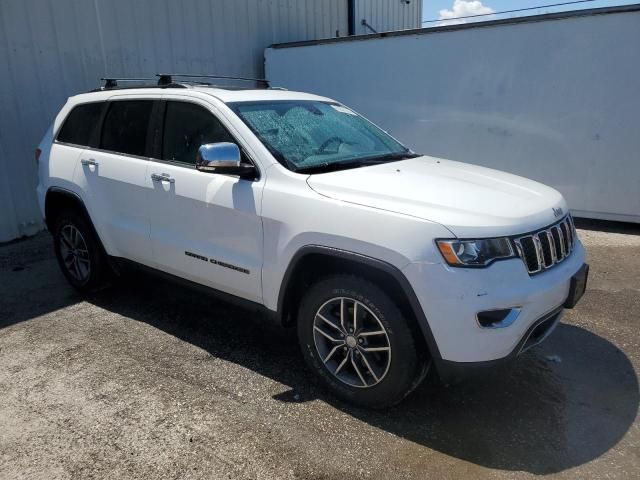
x=444 y=10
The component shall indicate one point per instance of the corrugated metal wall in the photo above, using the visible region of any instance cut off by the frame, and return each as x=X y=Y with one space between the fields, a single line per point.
x=50 y=50
x=387 y=15
x=553 y=98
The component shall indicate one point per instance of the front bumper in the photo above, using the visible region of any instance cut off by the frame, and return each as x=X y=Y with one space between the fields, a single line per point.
x=451 y=298
x=452 y=372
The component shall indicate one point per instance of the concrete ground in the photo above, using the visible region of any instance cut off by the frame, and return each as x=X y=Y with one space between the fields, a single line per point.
x=149 y=380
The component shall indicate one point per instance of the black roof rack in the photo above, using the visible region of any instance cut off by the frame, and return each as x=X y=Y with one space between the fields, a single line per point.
x=112 y=83
x=167 y=78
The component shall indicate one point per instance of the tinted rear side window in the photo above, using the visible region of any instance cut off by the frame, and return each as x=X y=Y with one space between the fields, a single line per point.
x=186 y=127
x=126 y=127
x=80 y=123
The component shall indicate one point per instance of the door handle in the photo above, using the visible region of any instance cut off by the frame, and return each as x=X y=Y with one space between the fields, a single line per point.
x=163 y=177
x=90 y=161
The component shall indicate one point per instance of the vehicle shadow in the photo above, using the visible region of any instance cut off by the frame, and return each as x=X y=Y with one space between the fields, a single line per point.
x=624 y=228
x=30 y=283
x=560 y=405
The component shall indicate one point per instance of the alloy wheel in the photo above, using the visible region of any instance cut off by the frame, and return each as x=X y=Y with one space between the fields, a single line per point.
x=75 y=253
x=352 y=342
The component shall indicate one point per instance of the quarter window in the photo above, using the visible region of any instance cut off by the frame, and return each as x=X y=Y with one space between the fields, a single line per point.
x=188 y=126
x=126 y=127
x=80 y=124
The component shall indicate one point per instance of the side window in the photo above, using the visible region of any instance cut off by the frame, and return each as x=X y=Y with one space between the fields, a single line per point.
x=186 y=127
x=80 y=123
x=126 y=126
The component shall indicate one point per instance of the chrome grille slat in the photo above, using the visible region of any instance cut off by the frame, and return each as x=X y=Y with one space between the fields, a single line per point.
x=569 y=234
x=547 y=247
x=539 y=256
x=573 y=227
x=567 y=238
x=563 y=243
x=547 y=251
x=552 y=243
x=555 y=233
x=527 y=251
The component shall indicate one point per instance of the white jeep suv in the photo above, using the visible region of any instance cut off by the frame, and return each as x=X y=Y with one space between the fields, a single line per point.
x=386 y=261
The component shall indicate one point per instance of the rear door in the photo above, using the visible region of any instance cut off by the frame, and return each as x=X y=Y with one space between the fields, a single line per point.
x=205 y=227
x=77 y=133
x=113 y=173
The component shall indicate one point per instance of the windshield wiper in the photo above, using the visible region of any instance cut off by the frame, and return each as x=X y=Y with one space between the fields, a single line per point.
x=330 y=167
x=360 y=162
x=388 y=157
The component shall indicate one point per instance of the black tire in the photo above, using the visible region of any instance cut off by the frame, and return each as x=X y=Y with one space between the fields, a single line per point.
x=94 y=261
x=405 y=366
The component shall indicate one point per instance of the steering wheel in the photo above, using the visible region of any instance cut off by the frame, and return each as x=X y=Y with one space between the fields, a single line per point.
x=328 y=142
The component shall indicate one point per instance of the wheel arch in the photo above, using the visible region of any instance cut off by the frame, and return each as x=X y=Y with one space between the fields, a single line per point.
x=57 y=199
x=312 y=262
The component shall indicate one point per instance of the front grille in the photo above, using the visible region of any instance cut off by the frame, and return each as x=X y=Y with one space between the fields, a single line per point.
x=546 y=248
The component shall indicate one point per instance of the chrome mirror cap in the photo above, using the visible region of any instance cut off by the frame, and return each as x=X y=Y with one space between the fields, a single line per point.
x=218 y=157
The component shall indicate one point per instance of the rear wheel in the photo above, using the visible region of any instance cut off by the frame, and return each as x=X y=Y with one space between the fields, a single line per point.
x=359 y=343
x=78 y=251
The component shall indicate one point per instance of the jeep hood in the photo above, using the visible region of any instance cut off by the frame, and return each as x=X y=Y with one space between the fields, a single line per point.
x=469 y=200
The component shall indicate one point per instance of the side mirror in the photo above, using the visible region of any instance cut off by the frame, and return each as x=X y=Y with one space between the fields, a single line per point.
x=223 y=157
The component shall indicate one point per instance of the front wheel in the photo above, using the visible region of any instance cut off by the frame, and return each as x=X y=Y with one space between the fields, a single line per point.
x=358 y=341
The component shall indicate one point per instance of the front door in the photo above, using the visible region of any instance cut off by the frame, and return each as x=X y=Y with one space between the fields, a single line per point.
x=205 y=227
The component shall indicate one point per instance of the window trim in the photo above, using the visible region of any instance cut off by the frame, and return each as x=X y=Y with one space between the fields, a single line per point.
x=159 y=121
x=96 y=127
x=97 y=133
x=156 y=125
x=148 y=145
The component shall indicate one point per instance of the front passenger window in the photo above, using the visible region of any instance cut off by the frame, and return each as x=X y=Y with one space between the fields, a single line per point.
x=186 y=127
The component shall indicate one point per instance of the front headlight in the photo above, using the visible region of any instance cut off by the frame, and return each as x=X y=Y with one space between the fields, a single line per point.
x=475 y=253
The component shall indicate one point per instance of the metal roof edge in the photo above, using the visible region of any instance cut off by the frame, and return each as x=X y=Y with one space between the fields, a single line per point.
x=467 y=26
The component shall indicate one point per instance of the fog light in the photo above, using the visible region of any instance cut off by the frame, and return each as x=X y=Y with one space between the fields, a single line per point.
x=497 y=318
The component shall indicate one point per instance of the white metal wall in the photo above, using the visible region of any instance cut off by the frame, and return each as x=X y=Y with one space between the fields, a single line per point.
x=387 y=15
x=51 y=49
x=555 y=99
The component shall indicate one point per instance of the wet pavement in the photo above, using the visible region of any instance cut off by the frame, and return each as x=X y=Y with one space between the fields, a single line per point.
x=150 y=380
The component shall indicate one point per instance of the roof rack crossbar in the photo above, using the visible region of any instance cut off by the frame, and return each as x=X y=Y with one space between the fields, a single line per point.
x=166 y=78
x=111 y=82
